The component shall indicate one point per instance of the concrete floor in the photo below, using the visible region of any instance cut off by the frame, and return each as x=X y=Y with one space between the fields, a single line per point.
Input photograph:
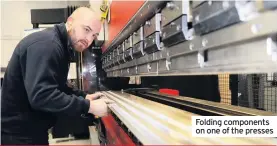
x=71 y=141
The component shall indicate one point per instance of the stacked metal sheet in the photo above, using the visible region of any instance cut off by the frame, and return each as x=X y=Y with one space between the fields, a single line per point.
x=153 y=123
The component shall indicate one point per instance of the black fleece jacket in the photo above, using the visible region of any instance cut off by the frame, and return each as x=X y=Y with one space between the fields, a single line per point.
x=34 y=90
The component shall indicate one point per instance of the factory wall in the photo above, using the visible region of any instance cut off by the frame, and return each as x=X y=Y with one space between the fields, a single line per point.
x=16 y=17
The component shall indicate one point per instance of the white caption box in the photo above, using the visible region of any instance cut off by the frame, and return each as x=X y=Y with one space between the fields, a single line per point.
x=234 y=126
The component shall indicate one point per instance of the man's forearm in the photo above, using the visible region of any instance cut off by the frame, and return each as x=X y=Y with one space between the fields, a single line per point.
x=76 y=92
x=79 y=92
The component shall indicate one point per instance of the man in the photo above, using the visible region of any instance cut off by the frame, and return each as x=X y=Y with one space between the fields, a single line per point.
x=34 y=89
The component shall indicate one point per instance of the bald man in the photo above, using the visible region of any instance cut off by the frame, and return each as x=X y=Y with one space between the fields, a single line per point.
x=34 y=88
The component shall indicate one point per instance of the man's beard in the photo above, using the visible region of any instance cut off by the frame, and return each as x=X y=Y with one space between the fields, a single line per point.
x=73 y=38
x=75 y=41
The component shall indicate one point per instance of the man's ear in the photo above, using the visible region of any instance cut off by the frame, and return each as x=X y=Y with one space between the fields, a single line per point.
x=69 y=22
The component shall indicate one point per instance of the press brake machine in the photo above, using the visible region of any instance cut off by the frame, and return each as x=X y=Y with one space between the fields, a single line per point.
x=166 y=44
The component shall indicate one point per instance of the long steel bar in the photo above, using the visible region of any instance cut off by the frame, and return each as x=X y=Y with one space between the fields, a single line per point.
x=217 y=108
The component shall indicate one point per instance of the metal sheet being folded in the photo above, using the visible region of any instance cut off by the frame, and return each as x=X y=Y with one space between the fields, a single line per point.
x=204 y=107
x=154 y=123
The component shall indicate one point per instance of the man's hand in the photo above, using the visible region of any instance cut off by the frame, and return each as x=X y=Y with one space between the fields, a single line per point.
x=94 y=96
x=99 y=107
